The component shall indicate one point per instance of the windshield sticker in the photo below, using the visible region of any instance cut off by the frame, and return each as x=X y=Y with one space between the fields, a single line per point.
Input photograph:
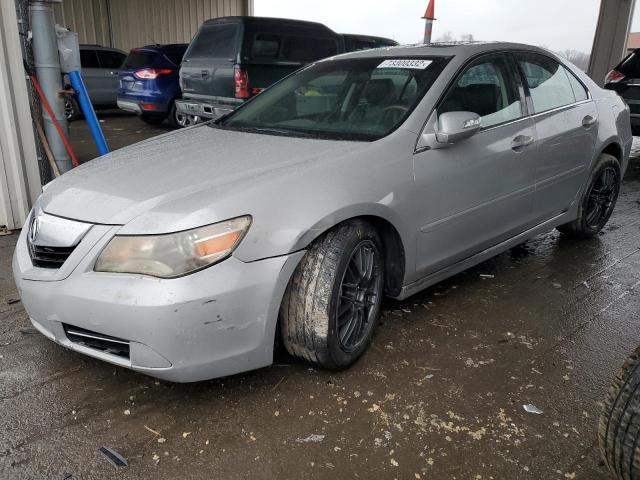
x=406 y=63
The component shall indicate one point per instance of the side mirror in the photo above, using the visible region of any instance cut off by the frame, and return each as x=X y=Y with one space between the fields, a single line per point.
x=454 y=127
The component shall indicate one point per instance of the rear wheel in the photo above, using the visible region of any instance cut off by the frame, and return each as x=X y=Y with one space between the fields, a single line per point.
x=332 y=303
x=598 y=200
x=152 y=119
x=619 y=427
x=181 y=120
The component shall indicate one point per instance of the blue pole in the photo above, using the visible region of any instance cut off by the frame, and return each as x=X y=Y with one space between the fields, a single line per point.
x=89 y=112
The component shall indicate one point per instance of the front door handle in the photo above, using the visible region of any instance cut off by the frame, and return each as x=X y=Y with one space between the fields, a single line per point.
x=588 y=121
x=204 y=73
x=520 y=142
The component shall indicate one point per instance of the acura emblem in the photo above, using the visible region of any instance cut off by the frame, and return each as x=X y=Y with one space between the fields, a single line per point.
x=34 y=227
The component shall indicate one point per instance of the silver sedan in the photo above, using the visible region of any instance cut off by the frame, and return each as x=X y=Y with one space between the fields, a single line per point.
x=370 y=174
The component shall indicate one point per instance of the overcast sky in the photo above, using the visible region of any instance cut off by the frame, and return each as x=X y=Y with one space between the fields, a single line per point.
x=557 y=24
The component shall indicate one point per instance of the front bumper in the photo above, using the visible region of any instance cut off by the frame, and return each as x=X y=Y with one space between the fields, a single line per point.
x=202 y=109
x=216 y=322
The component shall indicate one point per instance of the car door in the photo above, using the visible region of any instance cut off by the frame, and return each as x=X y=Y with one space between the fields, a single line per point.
x=476 y=193
x=92 y=75
x=566 y=125
x=110 y=64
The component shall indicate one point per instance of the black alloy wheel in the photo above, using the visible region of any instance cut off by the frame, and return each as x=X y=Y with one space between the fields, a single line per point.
x=359 y=300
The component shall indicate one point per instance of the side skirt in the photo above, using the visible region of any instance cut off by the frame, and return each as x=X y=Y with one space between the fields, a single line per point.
x=482 y=256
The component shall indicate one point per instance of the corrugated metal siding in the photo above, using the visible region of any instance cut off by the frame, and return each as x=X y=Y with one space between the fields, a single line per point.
x=135 y=23
x=87 y=17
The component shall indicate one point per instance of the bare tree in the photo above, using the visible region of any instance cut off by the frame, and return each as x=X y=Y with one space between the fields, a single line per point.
x=449 y=37
x=578 y=58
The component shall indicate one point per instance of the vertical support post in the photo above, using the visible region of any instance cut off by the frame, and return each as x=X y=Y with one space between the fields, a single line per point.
x=19 y=175
x=610 y=41
x=47 y=63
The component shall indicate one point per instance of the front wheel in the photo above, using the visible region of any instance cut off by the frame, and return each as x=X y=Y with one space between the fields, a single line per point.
x=332 y=303
x=598 y=200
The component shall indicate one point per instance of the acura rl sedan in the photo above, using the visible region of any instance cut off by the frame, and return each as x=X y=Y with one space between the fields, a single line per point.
x=369 y=174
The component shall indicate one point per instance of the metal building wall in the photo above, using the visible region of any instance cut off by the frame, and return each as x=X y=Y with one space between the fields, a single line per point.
x=19 y=176
x=90 y=18
x=126 y=24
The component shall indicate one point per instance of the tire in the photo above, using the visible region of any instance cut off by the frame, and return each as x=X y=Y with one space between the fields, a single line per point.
x=326 y=281
x=619 y=427
x=71 y=108
x=181 y=120
x=600 y=193
x=153 y=119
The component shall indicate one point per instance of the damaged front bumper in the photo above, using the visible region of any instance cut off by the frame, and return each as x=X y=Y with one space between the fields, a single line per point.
x=216 y=322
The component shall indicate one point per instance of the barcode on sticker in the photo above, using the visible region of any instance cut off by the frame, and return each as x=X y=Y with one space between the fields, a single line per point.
x=406 y=63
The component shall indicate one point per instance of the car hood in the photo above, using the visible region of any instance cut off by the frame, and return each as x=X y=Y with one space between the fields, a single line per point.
x=124 y=184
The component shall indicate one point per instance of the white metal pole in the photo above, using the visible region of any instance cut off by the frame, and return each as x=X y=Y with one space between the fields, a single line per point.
x=47 y=62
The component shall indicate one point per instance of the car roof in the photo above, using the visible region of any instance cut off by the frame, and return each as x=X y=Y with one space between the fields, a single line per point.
x=270 y=21
x=443 y=49
x=92 y=46
x=161 y=46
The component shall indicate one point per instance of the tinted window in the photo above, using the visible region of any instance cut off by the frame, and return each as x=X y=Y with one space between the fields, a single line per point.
x=88 y=59
x=214 y=41
x=139 y=59
x=548 y=82
x=175 y=53
x=488 y=88
x=344 y=99
x=578 y=89
x=110 y=59
x=308 y=49
x=363 y=45
x=266 y=46
x=630 y=66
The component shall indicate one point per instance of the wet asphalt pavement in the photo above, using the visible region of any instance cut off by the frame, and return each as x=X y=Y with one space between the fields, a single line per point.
x=439 y=395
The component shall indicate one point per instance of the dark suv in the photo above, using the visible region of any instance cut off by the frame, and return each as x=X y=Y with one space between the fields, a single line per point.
x=625 y=79
x=233 y=58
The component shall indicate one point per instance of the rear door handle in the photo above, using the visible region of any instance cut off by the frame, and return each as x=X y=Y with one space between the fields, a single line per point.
x=204 y=73
x=520 y=142
x=588 y=121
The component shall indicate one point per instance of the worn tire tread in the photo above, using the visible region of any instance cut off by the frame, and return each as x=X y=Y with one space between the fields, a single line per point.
x=619 y=425
x=305 y=306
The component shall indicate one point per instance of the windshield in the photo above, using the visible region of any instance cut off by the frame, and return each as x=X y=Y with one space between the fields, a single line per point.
x=355 y=99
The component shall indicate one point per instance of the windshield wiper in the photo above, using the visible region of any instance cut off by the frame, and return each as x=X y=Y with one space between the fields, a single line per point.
x=268 y=130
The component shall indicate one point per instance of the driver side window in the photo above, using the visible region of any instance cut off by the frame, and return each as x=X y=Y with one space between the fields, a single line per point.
x=487 y=88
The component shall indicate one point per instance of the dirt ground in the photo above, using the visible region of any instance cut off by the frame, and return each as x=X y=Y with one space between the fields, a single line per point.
x=439 y=395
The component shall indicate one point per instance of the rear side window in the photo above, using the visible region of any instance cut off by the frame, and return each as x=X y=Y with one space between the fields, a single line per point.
x=308 y=49
x=110 y=59
x=488 y=88
x=89 y=59
x=266 y=46
x=548 y=82
x=578 y=89
x=214 y=41
x=140 y=59
x=287 y=47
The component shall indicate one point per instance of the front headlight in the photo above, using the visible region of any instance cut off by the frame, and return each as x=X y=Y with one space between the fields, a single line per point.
x=174 y=254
